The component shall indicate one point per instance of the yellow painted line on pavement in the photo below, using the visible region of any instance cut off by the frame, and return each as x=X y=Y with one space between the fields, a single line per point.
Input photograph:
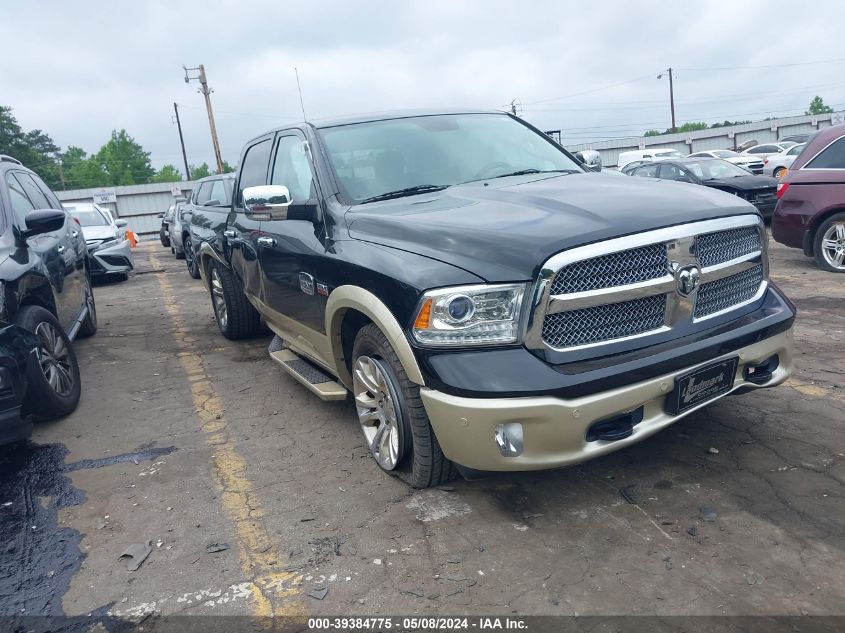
x=814 y=390
x=275 y=593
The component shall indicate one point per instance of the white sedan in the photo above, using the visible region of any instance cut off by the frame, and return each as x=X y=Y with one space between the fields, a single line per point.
x=767 y=149
x=110 y=253
x=751 y=163
x=778 y=164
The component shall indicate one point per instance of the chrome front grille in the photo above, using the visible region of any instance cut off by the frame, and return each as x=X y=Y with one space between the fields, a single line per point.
x=722 y=246
x=601 y=323
x=715 y=296
x=614 y=269
x=662 y=281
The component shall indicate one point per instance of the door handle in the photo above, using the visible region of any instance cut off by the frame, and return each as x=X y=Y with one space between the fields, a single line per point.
x=230 y=234
x=61 y=249
x=269 y=242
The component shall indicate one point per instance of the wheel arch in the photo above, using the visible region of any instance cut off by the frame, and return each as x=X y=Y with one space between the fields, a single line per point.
x=354 y=307
x=207 y=255
x=37 y=291
x=820 y=219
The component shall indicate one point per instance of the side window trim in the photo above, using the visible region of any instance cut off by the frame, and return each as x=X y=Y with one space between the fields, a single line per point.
x=819 y=153
x=20 y=190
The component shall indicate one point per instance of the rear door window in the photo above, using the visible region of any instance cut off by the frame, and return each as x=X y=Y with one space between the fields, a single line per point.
x=831 y=157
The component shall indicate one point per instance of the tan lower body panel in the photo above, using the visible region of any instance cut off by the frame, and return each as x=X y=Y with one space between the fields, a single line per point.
x=555 y=429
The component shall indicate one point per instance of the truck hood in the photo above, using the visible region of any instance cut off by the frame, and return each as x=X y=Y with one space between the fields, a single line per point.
x=505 y=229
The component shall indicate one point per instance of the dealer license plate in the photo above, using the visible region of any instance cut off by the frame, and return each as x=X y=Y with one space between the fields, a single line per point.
x=701 y=385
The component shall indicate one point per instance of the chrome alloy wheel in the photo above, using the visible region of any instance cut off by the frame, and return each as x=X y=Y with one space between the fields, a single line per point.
x=376 y=402
x=54 y=358
x=89 y=302
x=833 y=245
x=218 y=299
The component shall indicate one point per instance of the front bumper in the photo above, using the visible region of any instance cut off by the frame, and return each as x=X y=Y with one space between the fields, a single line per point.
x=555 y=429
x=112 y=259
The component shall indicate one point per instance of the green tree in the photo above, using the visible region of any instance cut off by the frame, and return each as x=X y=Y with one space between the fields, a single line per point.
x=652 y=133
x=227 y=169
x=125 y=161
x=200 y=171
x=168 y=173
x=81 y=171
x=692 y=126
x=35 y=148
x=817 y=106
x=727 y=123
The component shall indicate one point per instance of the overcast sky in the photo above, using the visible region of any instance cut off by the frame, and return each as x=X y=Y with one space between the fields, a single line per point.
x=80 y=69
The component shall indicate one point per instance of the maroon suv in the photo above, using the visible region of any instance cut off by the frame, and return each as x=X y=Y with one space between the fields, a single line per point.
x=810 y=212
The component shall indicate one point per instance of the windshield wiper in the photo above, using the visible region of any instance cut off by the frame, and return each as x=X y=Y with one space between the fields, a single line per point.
x=531 y=170
x=407 y=191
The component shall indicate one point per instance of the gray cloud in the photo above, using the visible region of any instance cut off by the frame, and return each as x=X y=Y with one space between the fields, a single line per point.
x=81 y=69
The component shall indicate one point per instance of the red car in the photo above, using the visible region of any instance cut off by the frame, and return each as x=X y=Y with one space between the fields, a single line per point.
x=810 y=212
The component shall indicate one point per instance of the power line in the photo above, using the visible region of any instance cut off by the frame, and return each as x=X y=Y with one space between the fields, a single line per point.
x=785 y=65
x=594 y=90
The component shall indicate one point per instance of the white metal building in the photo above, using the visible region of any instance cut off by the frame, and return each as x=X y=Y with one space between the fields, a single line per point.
x=139 y=205
x=713 y=138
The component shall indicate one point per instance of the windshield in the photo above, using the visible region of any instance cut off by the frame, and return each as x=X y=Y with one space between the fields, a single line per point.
x=429 y=152
x=709 y=169
x=724 y=153
x=88 y=216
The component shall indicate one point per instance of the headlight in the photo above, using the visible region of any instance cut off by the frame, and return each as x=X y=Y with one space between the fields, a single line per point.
x=469 y=315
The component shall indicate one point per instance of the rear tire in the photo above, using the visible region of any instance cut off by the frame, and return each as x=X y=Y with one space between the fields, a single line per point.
x=52 y=371
x=234 y=314
x=419 y=460
x=191 y=258
x=165 y=239
x=779 y=172
x=829 y=244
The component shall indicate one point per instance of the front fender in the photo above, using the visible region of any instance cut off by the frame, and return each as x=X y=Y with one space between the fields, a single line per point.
x=349 y=297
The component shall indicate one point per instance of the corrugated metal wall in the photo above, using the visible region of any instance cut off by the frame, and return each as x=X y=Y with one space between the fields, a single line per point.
x=139 y=205
x=718 y=138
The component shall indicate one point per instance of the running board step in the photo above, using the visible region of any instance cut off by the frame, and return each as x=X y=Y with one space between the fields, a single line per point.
x=309 y=376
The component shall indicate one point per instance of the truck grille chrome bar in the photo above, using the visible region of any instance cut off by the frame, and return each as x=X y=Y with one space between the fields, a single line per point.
x=641 y=285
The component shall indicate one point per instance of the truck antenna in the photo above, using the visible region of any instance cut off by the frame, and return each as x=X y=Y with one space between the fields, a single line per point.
x=299 y=88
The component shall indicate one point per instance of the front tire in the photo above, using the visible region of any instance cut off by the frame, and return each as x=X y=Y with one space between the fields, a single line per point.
x=89 y=325
x=829 y=244
x=391 y=413
x=162 y=235
x=780 y=172
x=234 y=314
x=52 y=371
x=191 y=259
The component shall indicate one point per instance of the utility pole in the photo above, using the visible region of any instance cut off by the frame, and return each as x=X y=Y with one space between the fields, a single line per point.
x=513 y=107
x=206 y=92
x=182 y=141
x=671 y=95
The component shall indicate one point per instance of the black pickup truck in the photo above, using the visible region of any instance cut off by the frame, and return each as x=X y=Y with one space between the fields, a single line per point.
x=490 y=303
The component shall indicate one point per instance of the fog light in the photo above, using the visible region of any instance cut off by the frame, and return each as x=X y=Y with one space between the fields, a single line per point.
x=509 y=439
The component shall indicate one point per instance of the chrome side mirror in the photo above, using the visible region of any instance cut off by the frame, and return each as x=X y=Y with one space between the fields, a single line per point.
x=267 y=202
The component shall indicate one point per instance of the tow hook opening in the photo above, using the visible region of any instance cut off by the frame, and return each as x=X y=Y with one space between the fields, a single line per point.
x=616 y=428
x=761 y=373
